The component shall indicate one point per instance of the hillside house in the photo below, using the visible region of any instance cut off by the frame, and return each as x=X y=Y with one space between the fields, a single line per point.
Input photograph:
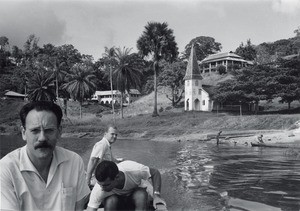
x=229 y=60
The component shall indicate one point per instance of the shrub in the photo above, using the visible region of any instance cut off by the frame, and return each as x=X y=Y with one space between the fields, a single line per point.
x=221 y=69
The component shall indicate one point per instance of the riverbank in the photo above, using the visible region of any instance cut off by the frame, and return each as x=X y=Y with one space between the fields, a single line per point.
x=176 y=126
x=234 y=138
x=172 y=124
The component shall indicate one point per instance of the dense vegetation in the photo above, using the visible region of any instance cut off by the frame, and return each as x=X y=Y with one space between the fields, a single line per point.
x=262 y=82
x=50 y=72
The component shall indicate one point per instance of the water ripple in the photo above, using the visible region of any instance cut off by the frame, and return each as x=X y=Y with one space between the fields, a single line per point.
x=266 y=178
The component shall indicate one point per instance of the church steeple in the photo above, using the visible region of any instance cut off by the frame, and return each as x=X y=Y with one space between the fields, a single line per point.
x=192 y=69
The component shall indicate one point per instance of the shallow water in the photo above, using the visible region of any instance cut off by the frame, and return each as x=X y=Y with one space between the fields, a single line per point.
x=202 y=176
x=241 y=178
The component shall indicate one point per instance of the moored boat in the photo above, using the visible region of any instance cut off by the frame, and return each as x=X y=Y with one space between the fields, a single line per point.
x=270 y=145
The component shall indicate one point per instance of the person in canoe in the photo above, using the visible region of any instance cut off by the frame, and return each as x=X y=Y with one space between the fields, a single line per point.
x=119 y=187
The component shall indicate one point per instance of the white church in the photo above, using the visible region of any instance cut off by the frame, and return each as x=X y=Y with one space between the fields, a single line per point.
x=197 y=97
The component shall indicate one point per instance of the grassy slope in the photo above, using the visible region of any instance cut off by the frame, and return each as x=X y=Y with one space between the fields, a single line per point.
x=174 y=122
x=9 y=115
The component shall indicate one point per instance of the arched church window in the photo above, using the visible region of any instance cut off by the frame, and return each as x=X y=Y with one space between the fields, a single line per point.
x=203 y=102
x=199 y=91
x=196 y=83
x=187 y=104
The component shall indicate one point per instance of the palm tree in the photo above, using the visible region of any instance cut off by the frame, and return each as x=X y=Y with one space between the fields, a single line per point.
x=52 y=61
x=158 y=41
x=127 y=73
x=110 y=55
x=81 y=83
x=40 y=86
x=57 y=73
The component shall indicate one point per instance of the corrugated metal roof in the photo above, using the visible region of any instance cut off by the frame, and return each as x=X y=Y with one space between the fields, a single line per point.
x=208 y=88
x=290 y=56
x=223 y=56
x=14 y=94
x=132 y=91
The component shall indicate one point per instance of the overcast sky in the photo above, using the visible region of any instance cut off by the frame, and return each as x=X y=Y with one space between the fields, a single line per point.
x=90 y=25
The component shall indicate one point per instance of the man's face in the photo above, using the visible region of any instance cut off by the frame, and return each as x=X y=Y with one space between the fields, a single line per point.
x=41 y=134
x=108 y=184
x=111 y=135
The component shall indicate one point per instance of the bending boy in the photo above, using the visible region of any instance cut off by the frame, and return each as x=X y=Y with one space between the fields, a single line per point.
x=118 y=186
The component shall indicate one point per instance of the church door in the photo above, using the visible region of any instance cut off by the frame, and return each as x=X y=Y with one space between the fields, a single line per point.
x=197 y=105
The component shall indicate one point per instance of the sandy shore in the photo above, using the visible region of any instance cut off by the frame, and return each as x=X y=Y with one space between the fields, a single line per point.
x=229 y=137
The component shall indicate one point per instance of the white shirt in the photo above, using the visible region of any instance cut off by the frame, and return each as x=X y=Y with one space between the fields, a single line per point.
x=102 y=150
x=22 y=188
x=134 y=173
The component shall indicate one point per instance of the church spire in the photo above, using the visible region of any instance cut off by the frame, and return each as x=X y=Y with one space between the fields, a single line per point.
x=192 y=69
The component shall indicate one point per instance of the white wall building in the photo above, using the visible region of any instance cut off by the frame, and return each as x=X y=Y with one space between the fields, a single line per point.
x=105 y=97
x=196 y=94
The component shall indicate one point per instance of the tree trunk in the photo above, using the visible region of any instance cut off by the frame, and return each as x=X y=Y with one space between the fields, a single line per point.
x=122 y=105
x=173 y=97
x=256 y=107
x=80 y=105
x=289 y=105
x=65 y=106
x=155 y=114
x=56 y=81
x=112 y=95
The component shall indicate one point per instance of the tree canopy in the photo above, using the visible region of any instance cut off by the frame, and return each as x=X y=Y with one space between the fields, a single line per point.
x=203 y=46
x=81 y=83
x=262 y=82
x=157 y=41
x=172 y=77
x=247 y=51
x=127 y=73
x=41 y=86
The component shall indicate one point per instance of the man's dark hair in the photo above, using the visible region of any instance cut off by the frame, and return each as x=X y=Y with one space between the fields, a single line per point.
x=41 y=106
x=106 y=169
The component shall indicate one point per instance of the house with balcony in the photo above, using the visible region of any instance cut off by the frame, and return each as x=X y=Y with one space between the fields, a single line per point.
x=229 y=60
x=106 y=97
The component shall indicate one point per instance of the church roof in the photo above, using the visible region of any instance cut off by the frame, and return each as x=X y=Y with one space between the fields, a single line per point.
x=208 y=88
x=192 y=69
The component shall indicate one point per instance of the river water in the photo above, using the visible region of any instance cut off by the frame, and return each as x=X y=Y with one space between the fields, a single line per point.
x=202 y=176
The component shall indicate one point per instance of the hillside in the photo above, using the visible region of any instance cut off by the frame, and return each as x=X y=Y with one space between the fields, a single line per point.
x=172 y=123
x=144 y=105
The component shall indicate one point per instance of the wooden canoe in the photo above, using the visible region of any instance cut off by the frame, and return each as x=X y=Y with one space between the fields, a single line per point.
x=270 y=145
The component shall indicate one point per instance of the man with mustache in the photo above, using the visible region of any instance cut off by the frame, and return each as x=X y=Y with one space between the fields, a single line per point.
x=41 y=175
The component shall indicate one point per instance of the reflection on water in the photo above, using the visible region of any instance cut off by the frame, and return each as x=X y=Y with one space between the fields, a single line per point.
x=240 y=178
x=193 y=166
x=200 y=176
